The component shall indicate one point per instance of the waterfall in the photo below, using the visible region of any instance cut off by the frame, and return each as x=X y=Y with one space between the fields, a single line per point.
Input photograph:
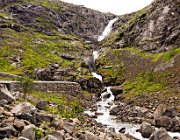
x=97 y=76
x=107 y=30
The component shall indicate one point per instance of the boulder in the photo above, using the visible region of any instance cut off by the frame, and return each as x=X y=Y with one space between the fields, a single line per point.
x=24 y=107
x=159 y=110
x=146 y=130
x=164 y=121
x=160 y=134
x=43 y=117
x=114 y=110
x=29 y=132
x=28 y=117
x=5 y=94
x=42 y=105
x=3 y=102
x=88 y=136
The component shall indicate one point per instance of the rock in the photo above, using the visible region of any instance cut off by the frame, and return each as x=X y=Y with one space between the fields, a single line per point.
x=160 y=134
x=7 y=131
x=19 y=124
x=22 y=138
x=3 y=102
x=42 y=105
x=26 y=116
x=170 y=112
x=116 y=90
x=105 y=95
x=5 y=94
x=7 y=113
x=57 y=134
x=146 y=130
x=122 y=130
x=29 y=132
x=43 y=117
x=159 y=110
x=1 y=110
x=86 y=135
x=164 y=121
x=68 y=127
x=50 y=137
x=24 y=107
x=114 y=110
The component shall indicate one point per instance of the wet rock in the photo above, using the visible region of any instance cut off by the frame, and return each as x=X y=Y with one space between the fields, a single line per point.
x=24 y=107
x=164 y=121
x=105 y=95
x=160 y=134
x=146 y=130
x=6 y=132
x=114 y=110
x=68 y=127
x=116 y=90
x=5 y=94
x=29 y=132
x=122 y=130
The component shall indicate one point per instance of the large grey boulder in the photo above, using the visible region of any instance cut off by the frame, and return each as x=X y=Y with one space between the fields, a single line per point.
x=146 y=130
x=164 y=121
x=160 y=134
x=29 y=132
x=5 y=94
x=24 y=107
x=159 y=111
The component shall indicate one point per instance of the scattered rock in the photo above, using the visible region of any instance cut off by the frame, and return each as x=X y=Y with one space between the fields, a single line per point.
x=19 y=124
x=146 y=130
x=50 y=137
x=114 y=110
x=160 y=134
x=22 y=138
x=159 y=110
x=42 y=105
x=29 y=132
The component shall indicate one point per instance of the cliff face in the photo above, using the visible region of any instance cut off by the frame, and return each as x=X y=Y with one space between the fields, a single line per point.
x=50 y=16
x=154 y=28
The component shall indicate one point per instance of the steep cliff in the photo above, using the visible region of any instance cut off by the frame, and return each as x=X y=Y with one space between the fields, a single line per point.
x=154 y=28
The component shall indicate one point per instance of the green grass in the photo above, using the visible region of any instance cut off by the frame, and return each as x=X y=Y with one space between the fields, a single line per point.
x=66 y=108
x=144 y=83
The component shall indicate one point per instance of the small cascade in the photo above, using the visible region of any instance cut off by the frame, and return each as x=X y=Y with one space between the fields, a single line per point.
x=97 y=76
x=107 y=30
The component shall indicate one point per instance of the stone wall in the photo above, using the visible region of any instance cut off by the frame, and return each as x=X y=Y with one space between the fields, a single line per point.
x=71 y=88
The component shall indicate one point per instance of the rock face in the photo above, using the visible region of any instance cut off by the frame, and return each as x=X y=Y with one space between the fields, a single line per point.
x=67 y=18
x=152 y=28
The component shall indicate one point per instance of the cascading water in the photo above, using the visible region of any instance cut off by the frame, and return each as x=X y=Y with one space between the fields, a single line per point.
x=107 y=101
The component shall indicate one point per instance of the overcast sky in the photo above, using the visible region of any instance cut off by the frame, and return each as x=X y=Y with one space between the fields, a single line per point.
x=117 y=7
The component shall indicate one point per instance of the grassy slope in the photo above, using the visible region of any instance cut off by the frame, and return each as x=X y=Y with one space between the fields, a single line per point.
x=33 y=48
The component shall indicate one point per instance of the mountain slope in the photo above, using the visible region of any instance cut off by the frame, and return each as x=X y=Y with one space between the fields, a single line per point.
x=154 y=28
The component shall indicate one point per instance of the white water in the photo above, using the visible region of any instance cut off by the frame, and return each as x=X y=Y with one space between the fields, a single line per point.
x=97 y=76
x=95 y=55
x=107 y=30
